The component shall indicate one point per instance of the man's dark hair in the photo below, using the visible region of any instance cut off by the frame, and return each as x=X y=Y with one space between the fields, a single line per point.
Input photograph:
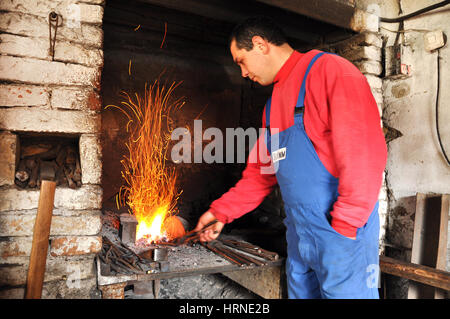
x=260 y=26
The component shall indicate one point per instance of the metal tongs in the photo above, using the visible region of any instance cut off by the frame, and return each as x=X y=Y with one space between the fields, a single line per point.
x=192 y=235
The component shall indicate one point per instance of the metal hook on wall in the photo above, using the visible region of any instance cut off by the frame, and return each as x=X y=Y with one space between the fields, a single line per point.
x=53 y=22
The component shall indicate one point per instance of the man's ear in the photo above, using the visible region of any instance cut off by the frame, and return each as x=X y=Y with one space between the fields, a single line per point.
x=260 y=44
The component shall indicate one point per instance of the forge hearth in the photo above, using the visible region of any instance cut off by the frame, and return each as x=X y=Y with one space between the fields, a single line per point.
x=172 y=262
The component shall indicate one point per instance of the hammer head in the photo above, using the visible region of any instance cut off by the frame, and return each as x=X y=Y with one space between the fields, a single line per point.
x=47 y=171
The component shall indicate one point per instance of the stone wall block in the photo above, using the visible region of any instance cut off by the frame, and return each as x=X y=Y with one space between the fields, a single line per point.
x=33 y=47
x=364 y=39
x=71 y=270
x=364 y=21
x=84 y=198
x=23 y=95
x=374 y=81
x=362 y=53
x=90 y=159
x=23 y=225
x=34 y=71
x=12 y=293
x=49 y=121
x=9 y=157
x=72 y=11
x=15 y=247
x=369 y=67
x=18 y=23
x=378 y=95
x=76 y=225
x=75 y=98
x=71 y=289
x=75 y=245
x=60 y=246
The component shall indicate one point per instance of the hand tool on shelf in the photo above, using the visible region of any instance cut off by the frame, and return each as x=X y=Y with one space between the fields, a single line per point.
x=232 y=255
x=248 y=260
x=251 y=249
x=222 y=254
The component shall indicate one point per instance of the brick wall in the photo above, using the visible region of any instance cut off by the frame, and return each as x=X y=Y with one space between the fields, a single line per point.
x=57 y=96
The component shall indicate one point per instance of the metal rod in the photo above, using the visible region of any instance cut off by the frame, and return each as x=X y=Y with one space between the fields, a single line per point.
x=252 y=249
x=216 y=251
x=232 y=255
x=248 y=259
x=120 y=258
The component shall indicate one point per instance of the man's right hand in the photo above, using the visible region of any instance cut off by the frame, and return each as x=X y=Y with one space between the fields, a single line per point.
x=211 y=232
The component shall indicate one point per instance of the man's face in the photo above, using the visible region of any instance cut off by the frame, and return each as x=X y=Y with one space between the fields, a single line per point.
x=253 y=63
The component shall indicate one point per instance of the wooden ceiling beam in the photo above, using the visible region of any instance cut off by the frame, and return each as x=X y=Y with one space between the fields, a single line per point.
x=336 y=12
x=233 y=11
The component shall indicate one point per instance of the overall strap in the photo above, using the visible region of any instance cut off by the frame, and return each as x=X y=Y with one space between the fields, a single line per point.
x=268 y=103
x=299 y=107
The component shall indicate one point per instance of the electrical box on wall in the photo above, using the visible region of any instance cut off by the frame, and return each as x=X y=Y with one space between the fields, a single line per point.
x=394 y=61
x=433 y=40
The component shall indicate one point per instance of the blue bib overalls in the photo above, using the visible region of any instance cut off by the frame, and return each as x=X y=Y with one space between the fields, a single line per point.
x=321 y=263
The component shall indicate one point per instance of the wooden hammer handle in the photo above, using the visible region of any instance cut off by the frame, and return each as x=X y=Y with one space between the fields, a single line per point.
x=41 y=233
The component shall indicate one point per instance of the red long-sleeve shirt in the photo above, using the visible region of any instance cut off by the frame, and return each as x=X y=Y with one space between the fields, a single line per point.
x=341 y=119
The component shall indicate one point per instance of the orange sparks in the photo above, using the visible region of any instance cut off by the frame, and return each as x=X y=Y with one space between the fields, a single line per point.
x=137 y=28
x=165 y=32
x=150 y=186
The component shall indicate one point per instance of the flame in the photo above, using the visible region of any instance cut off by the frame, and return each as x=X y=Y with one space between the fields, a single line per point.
x=151 y=228
x=150 y=186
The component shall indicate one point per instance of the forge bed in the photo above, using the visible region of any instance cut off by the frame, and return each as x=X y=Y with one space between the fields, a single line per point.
x=185 y=261
x=194 y=260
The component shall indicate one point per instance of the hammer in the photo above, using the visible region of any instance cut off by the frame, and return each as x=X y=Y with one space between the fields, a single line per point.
x=41 y=232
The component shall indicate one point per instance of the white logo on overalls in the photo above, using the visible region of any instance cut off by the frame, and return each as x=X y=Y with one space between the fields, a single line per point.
x=279 y=155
